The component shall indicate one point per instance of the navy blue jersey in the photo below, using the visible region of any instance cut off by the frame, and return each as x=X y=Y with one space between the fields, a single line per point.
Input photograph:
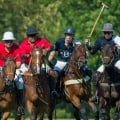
x=99 y=44
x=64 y=52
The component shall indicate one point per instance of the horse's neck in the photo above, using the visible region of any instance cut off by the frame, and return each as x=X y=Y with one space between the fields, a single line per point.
x=73 y=68
x=2 y=84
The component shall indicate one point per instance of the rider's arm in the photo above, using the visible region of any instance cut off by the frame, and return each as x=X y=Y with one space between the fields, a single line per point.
x=96 y=46
x=17 y=57
x=45 y=51
x=52 y=53
x=18 y=64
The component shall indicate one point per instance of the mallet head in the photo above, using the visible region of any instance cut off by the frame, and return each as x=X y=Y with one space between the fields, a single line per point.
x=104 y=5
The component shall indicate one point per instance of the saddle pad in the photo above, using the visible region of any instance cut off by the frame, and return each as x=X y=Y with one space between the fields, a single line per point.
x=77 y=81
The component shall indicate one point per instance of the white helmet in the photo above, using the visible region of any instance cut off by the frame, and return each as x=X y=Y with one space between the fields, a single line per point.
x=8 y=36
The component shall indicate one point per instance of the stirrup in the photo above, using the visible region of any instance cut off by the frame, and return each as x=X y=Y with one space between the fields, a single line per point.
x=54 y=94
x=20 y=111
x=95 y=99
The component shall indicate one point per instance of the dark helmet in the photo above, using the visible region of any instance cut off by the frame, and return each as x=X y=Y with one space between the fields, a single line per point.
x=108 y=27
x=69 y=30
x=31 y=30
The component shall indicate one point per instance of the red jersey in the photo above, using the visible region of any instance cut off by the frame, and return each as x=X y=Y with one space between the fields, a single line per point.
x=12 y=53
x=26 y=48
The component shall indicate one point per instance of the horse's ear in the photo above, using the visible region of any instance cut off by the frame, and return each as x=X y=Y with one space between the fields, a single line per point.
x=74 y=43
x=4 y=57
x=42 y=46
x=32 y=46
x=16 y=57
x=83 y=44
x=113 y=44
x=102 y=43
x=44 y=51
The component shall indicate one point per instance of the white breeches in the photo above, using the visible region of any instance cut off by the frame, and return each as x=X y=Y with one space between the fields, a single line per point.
x=19 y=80
x=59 y=65
x=24 y=68
x=116 y=65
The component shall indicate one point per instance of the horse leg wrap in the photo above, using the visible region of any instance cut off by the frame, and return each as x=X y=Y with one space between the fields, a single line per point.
x=103 y=113
x=97 y=115
x=118 y=108
x=77 y=116
x=84 y=113
x=116 y=116
x=32 y=117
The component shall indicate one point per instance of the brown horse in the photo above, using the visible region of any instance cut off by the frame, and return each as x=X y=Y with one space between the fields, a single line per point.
x=37 y=87
x=109 y=84
x=77 y=87
x=8 y=100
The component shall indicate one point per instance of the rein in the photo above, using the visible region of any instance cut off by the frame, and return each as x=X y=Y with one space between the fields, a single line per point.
x=74 y=64
x=34 y=86
x=10 y=88
x=32 y=74
x=110 y=61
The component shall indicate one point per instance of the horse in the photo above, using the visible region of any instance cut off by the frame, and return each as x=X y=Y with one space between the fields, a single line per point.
x=38 y=97
x=108 y=84
x=74 y=86
x=8 y=100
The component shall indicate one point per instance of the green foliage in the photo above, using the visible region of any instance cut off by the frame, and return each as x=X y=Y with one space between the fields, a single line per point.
x=50 y=17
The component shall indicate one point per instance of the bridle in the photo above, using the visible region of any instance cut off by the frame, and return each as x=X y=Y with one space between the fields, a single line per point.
x=111 y=58
x=77 y=62
x=38 y=63
x=4 y=76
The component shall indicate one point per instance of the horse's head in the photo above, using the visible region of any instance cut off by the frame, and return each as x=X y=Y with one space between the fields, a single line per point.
x=108 y=54
x=8 y=71
x=79 y=55
x=37 y=59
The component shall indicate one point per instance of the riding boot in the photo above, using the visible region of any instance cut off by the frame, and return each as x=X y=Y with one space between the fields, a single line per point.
x=96 y=77
x=20 y=110
x=88 y=71
x=54 y=93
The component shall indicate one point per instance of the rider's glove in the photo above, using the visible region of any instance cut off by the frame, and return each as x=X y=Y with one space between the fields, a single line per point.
x=23 y=57
x=30 y=53
x=51 y=64
x=88 y=44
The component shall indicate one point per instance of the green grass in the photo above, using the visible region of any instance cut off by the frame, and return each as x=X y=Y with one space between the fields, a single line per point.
x=47 y=119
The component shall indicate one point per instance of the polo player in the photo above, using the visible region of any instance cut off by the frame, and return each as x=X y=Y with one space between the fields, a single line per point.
x=26 y=49
x=10 y=49
x=64 y=47
x=108 y=38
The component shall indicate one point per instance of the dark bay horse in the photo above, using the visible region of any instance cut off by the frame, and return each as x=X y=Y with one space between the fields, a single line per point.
x=109 y=84
x=8 y=100
x=37 y=87
x=76 y=86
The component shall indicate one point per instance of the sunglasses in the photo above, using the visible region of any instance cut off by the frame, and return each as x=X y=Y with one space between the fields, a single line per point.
x=107 y=33
x=8 y=41
x=32 y=35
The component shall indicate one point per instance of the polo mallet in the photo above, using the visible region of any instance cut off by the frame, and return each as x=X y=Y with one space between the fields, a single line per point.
x=103 y=5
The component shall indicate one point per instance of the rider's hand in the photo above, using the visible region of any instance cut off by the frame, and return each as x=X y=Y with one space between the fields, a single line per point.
x=88 y=44
x=51 y=64
x=24 y=57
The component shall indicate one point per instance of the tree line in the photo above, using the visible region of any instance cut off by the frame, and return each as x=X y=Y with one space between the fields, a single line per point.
x=51 y=17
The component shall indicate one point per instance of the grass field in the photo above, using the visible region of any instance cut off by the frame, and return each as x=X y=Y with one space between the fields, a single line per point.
x=53 y=119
